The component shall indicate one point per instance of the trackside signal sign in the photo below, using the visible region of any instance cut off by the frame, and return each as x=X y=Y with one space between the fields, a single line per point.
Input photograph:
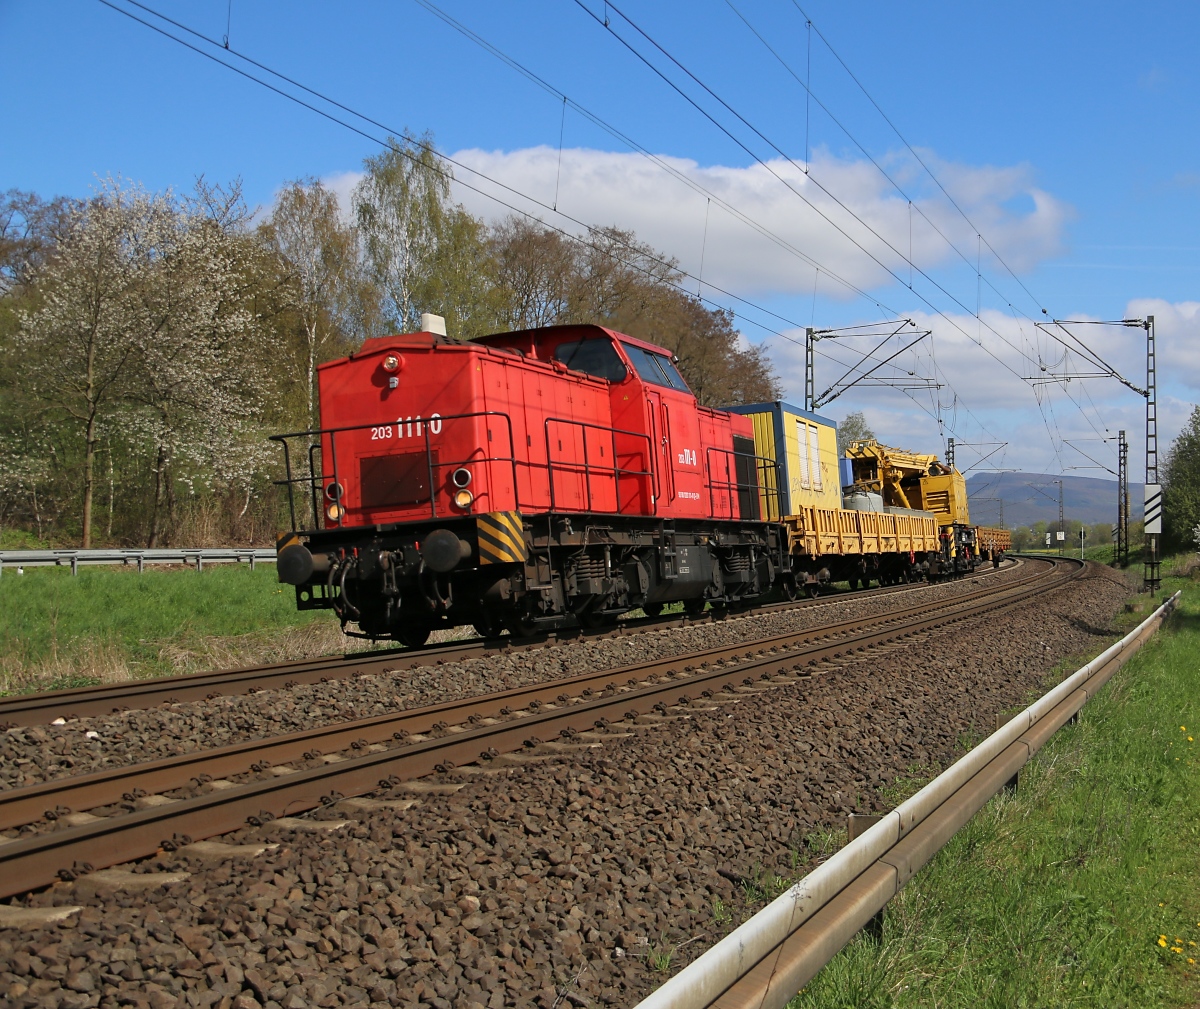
x=1153 y=508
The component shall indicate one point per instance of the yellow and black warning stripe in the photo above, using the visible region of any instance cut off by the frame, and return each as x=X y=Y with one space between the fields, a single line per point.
x=501 y=538
x=284 y=540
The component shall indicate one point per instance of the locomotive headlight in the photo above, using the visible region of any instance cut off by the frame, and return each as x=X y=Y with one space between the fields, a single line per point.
x=335 y=512
x=463 y=499
x=334 y=491
x=392 y=362
x=461 y=477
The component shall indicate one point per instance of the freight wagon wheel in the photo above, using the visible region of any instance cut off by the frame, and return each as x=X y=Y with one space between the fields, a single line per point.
x=694 y=607
x=788 y=586
x=853 y=583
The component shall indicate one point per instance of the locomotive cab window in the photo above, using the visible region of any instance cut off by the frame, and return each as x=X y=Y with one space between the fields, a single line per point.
x=656 y=369
x=595 y=357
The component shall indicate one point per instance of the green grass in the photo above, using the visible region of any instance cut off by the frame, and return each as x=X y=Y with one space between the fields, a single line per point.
x=57 y=630
x=1058 y=894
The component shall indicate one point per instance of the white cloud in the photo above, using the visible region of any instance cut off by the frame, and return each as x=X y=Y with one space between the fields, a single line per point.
x=1177 y=337
x=342 y=184
x=629 y=191
x=1048 y=424
x=602 y=188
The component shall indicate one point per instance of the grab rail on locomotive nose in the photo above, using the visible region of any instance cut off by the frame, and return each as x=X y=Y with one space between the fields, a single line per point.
x=587 y=467
x=762 y=464
x=315 y=479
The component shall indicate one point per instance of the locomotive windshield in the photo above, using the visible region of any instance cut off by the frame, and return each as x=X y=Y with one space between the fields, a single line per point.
x=656 y=369
x=596 y=357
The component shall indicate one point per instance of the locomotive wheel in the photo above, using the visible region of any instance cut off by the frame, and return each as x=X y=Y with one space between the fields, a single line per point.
x=487 y=626
x=520 y=626
x=415 y=633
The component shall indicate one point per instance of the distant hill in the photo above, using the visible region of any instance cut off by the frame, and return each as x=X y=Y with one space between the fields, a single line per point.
x=1028 y=497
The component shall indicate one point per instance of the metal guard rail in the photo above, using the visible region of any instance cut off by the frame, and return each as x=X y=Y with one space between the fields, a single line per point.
x=766 y=960
x=191 y=557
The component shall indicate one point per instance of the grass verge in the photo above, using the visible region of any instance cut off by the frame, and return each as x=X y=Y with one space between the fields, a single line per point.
x=108 y=624
x=1081 y=888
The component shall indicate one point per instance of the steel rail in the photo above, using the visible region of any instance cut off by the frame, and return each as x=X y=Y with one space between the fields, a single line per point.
x=104 y=699
x=113 y=785
x=770 y=957
x=37 y=860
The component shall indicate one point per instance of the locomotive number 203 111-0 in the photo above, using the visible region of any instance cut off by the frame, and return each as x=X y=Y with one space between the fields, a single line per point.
x=408 y=427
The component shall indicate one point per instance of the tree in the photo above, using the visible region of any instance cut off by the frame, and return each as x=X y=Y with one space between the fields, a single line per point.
x=1181 y=486
x=77 y=346
x=534 y=270
x=425 y=253
x=29 y=229
x=612 y=279
x=198 y=388
x=853 y=428
x=141 y=340
x=320 y=255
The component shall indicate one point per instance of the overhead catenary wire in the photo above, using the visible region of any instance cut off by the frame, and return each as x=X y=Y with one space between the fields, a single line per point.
x=810 y=96
x=324 y=113
x=1050 y=421
x=645 y=152
x=683 y=274
x=1004 y=364
x=921 y=161
x=744 y=147
x=680 y=274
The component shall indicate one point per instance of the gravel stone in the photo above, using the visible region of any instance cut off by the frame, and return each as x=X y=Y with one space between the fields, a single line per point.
x=33 y=754
x=556 y=882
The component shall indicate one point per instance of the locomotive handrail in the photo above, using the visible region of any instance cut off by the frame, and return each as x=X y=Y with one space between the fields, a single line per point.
x=762 y=463
x=314 y=480
x=587 y=467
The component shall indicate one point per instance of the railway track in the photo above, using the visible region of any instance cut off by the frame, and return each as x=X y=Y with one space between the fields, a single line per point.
x=132 y=816
x=80 y=702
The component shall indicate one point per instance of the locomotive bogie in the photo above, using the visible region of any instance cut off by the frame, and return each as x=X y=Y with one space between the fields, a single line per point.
x=525 y=573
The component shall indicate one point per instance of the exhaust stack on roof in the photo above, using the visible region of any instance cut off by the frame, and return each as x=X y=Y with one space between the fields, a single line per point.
x=431 y=323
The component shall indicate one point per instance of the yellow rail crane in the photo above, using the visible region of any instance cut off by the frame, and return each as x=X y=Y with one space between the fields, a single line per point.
x=921 y=482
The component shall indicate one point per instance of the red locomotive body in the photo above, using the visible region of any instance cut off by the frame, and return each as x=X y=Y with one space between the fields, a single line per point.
x=522 y=479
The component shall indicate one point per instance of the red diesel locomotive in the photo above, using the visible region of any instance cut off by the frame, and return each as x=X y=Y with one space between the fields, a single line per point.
x=524 y=480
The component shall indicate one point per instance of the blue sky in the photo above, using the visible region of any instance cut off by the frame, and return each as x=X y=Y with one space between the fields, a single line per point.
x=1066 y=132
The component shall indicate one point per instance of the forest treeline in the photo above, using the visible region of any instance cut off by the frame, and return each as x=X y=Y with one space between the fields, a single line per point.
x=151 y=341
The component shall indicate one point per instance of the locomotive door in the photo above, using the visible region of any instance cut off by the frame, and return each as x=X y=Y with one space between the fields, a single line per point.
x=677 y=432
x=662 y=449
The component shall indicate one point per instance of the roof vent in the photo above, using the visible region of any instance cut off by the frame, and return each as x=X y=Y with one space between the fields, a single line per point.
x=433 y=324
